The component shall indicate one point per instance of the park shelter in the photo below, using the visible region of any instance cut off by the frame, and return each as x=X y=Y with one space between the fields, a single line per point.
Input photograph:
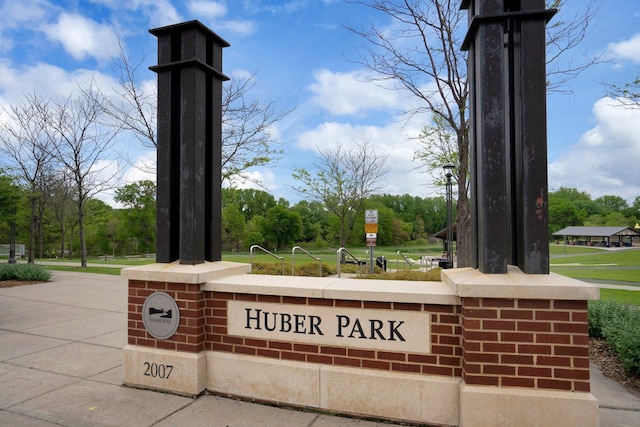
x=616 y=236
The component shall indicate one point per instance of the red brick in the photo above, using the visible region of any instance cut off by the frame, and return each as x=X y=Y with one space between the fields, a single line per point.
x=452 y=319
x=479 y=313
x=493 y=347
x=471 y=323
x=580 y=339
x=571 y=351
x=339 y=351
x=482 y=357
x=471 y=302
x=364 y=354
x=534 y=303
x=573 y=374
x=244 y=350
x=451 y=340
x=499 y=325
x=553 y=315
x=437 y=370
x=532 y=371
x=246 y=297
x=422 y=358
x=472 y=368
x=516 y=359
x=405 y=367
x=255 y=342
x=433 y=308
x=346 y=303
x=294 y=300
x=222 y=347
x=442 y=349
x=498 y=370
x=582 y=386
x=534 y=326
x=553 y=361
x=223 y=295
x=269 y=298
x=576 y=328
x=321 y=302
x=346 y=361
x=228 y=339
x=516 y=337
x=554 y=384
x=443 y=329
x=518 y=382
x=280 y=345
x=376 y=364
x=481 y=380
x=377 y=305
x=407 y=306
x=534 y=349
x=579 y=316
x=449 y=361
x=480 y=336
x=388 y=355
x=473 y=345
x=288 y=355
x=581 y=362
x=516 y=314
x=497 y=302
x=553 y=338
x=570 y=305
x=305 y=348
x=273 y=354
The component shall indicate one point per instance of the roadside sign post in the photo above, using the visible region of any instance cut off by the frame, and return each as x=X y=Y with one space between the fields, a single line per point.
x=371 y=233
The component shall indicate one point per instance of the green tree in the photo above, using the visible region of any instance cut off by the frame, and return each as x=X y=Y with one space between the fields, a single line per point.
x=233 y=224
x=282 y=226
x=611 y=203
x=563 y=213
x=140 y=200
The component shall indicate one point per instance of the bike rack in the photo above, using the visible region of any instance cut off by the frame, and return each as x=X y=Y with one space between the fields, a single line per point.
x=346 y=251
x=266 y=251
x=293 y=260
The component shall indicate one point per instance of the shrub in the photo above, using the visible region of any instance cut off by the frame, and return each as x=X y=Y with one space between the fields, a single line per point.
x=24 y=272
x=619 y=325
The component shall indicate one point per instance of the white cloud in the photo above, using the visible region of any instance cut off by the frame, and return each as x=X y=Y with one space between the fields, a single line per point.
x=350 y=93
x=208 y=9
x=628 y=49
x=605 y=159
x=82 y=37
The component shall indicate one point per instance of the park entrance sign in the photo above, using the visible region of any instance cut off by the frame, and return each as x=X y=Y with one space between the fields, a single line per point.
x=476 y=347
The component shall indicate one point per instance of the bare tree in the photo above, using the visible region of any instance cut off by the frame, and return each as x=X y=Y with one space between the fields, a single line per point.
x=24 y=142
x=246 y=122
x=421 y=51
x=84 y=148
x=342 y=182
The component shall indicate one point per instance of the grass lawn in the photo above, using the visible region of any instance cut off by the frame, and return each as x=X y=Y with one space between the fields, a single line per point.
x=619 y=295
x=591 y=263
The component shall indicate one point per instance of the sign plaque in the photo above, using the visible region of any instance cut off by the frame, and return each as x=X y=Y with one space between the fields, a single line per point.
x=160 y=315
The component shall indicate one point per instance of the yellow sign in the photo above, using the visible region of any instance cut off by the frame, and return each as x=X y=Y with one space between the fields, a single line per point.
x=371 y=228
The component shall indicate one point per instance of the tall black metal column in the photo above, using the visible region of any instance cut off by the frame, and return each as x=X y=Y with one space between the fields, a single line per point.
x=189 y=199
x=506 y=44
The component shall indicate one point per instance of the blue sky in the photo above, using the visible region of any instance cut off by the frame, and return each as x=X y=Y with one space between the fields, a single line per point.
x=306 y=59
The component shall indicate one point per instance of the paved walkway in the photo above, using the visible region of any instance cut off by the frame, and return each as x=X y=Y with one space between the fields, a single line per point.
x=61 y=365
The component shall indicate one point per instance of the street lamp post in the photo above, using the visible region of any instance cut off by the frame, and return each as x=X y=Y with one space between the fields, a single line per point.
x=448 y=171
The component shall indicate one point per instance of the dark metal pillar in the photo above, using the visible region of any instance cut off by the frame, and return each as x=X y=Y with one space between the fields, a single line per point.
x=189 y=199
x=506 y=44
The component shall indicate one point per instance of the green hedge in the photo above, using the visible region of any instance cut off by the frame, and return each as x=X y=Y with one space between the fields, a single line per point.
x=24 y=272
x=619 y=325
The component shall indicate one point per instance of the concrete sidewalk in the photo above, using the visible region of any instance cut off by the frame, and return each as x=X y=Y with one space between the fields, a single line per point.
x=61 y=365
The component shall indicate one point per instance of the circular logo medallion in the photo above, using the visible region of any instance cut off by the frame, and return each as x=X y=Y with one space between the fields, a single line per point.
x=161 y=315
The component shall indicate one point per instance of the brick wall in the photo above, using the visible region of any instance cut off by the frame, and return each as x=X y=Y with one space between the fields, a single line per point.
x=444 y=359
x=190 y=336
x=526 y=343
x=499 y=342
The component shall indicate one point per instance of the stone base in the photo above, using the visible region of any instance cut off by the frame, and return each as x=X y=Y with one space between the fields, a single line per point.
x=414 y=398
x=484 y=406
x=170 y=371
